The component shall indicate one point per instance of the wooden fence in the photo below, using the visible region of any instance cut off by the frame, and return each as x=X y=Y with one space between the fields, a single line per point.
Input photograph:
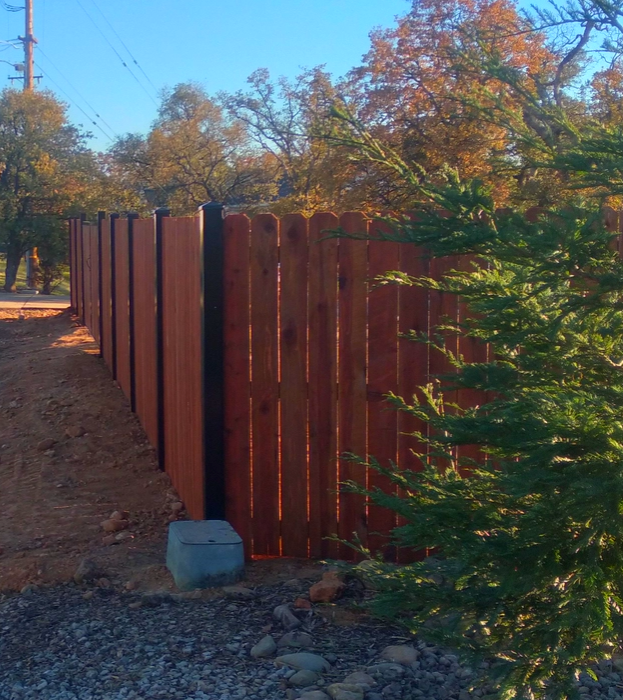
x=254 y=353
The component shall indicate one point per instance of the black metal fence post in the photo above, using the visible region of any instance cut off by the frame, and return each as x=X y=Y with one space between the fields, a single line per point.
x=101 y=216
x=113 y=295
x=159 y=215
x=213 y=357
x=131 y=218
x=80 y=233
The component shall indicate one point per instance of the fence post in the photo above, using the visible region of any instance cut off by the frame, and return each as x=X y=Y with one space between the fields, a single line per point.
x=72 y=265
x=213 y=358
x=132 y=216
x=113 y=295
x=101 y=215
x=159 y=215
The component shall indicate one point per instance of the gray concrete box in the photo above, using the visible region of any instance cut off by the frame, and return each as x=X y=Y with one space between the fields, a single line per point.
x=204 y=554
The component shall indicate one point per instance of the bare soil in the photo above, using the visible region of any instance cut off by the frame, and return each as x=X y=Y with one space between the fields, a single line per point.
x=53 y=385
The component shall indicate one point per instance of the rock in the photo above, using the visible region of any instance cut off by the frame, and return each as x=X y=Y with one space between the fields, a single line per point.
x=304 y=678
x=327 y=590
x=345 y=691
x=87 y=571
x=114 y=525
x=400 y=654
x=302 y=604
x=75 y=431
x=296 y=638
x=177 y=507
x=131 y=585
x=121 y=536
x=265 y=647
x=88 y=595
x=153 y=600
x=314 y=695
x=109 y=540
x=286 y=617
x=238 y=591
x=119 y=515
x=304 y=661
x=28 y=588
x=46 y=444
x=386 y=670
x=363 y=680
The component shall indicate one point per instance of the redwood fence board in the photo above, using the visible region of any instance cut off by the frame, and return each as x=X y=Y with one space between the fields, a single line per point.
x=238 y=376
x=293 y=382
x=145 y=327
x=265 y=385
x=352 y=375
x=181 y=285
x=122 y=306
x=310 y=349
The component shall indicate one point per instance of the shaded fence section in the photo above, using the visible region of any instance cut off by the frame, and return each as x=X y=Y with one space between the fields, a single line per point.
x=255 y=352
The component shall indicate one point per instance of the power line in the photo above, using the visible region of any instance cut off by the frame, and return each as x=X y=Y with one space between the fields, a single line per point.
x=108 y=136
x=119 y=56
x=75 y=89
x=114 y=31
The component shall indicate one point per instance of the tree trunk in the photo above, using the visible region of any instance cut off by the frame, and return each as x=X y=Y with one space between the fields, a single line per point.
x=10 y=274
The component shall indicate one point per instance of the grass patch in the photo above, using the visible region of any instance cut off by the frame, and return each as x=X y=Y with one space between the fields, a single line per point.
x=62 y=289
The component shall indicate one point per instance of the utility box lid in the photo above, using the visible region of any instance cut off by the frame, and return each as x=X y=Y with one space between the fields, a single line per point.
x=205 y=532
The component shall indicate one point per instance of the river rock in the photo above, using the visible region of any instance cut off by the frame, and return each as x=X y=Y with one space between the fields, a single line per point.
x=265 y=647
x=284 y=615
x=296 y=638
x=329 y=589
x=87 y=571
x=363 y=680
x=345 y=691
x=314 y=695
x=386 y=670
x=303 y=660
x=304 y=678
x=400 y=654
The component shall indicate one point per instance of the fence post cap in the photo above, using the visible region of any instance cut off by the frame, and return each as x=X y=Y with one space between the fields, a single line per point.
x=114 y=216
x=132 y=215
x=162 y=211
x=211 y=205
x=101 y=215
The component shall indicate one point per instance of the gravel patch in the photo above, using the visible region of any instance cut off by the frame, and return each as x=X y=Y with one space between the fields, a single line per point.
x=55 y=644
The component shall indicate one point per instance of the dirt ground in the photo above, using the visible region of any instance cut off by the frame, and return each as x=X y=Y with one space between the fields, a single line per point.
x=54 y=387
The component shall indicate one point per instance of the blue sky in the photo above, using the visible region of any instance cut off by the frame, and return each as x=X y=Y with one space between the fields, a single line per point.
x=217 y=43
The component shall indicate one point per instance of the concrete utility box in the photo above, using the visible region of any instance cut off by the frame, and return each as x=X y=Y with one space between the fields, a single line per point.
x=204 y=554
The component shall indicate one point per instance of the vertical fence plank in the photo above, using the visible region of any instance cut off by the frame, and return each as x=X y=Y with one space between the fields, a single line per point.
x=413 y=359
x=323 y=463
x=382 y=378
x=293 y=354
x=72 y=264
x=183 y=387
x=352 y=361
x=265 y=386
x=122 y=306
x=238 y=378
x=145 y=327
x=106 y=308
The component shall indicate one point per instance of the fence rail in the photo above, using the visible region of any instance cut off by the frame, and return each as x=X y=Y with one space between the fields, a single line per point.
x=256 y=351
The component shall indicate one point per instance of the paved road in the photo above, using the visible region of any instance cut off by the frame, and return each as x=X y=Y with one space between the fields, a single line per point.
x=34 y=301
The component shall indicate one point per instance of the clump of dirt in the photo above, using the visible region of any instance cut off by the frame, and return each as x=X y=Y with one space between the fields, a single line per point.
x=72 y=453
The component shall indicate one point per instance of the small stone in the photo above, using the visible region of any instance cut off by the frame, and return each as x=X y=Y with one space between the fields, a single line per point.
x=88 y=595
x=400 y=654
x=114 y=525
x=109 y=540
x=136 y=604
x=28 y=588
x=314 y=695
x=121 y=536
x=387 y=670
x=238 y=591
x=286 y=617
x=302 y=604
x=75 y=431
x=46 y=444
x=296 y=638
x=363 y=680
x=131 y=585
x=177 y=507
x=265 y=647
x=327 y=590
x=304 y=661
x=87 y=571
x=103 y=583
x=304 y=678
x=345 y=691
x=119 y=515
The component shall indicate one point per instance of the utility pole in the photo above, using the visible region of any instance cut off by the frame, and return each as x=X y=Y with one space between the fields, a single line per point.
x=29 y=42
